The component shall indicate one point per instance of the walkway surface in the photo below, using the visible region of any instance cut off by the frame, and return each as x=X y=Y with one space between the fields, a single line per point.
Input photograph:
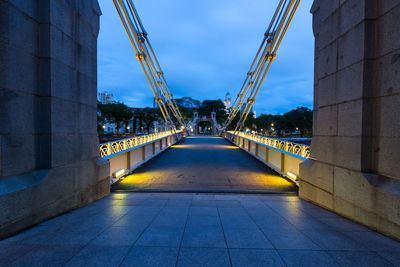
x=205 y=164
x=182 y=229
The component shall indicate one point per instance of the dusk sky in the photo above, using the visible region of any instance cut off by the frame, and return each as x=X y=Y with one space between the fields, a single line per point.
x=205 y=49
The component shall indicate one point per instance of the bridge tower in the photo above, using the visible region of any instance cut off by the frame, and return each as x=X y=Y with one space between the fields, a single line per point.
x=49 y=155
x=354 y=168
x=214 y=123
x=195 y=122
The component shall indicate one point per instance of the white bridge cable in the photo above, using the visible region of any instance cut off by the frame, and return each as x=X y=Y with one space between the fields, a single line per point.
x=262 y=62
x=148 y=61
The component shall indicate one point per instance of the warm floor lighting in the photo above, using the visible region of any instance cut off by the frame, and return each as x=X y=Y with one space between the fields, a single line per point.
x=292 y=176
x=119 y=173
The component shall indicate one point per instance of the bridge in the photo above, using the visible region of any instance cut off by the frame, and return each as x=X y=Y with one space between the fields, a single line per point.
x=178 y=199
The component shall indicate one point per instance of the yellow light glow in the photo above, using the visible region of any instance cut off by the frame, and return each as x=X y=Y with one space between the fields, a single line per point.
x=119 y=173
x=292 y=176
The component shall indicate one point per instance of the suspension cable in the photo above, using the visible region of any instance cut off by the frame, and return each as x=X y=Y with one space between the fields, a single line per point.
x=262 y=62
x=148 y=61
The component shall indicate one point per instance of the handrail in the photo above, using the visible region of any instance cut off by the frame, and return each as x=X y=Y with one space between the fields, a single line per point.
x=290 y=147
x=115 y=147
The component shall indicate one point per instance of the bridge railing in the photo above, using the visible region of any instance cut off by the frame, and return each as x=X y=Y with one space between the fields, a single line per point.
x=282 y=156
x=113 y=148
x=290 y=147
x=127 y=154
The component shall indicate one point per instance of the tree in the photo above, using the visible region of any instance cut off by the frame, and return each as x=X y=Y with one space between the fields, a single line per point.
x=187 y=106
x=281 y=124
x=117 y=113
x=150 y=115
x=138 y=116
x=263 y=122
x=217 y=106
x=300 y=119
x=101 y=120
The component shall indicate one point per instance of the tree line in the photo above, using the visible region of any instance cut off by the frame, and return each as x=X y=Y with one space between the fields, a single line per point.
x=123 y=116
x=297 y=121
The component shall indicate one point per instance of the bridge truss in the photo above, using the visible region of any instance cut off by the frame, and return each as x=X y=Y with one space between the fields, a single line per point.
x=148 y=61
x=262 y=62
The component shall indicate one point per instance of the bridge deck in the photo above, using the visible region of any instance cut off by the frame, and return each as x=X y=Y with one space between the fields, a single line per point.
x=205 y=164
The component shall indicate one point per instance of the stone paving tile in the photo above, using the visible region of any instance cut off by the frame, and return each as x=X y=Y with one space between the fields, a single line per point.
x=176 y=211
x=344 y=225
x=235 y=222
x=255 y=258
x=375 y=241
x=47 y=255
x=318 y=212
x=193 y=257
x=246 y=238
x=204 y=236
x=34 y=235
x=99 y=256
x=273 y=223
x=127 y=202
x=139 y=220
x=153 y=203
x=12 y=252
x=203 y=211
x=151 y=256
x=233 y=211
x=179 y=203
x=167 y=236
x=330 y=240
x=391 y=256
x=117 y=236
x=306 y=224
x=216 y=203
x=291 y=240
x=195 y=220
x=130 y=196
x=358 y=258
x=169 y=221
x=152 y=228
x=309 y=258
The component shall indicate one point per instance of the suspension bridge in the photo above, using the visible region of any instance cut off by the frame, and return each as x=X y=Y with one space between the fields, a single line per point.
x=335 y=203
x=246 y=97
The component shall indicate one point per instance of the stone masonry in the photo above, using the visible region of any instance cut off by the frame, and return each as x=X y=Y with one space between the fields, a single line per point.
x=49 y=160
x=354 y=168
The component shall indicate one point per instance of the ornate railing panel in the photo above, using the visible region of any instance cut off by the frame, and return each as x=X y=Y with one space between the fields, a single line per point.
x=290 y=147
x=116 y=147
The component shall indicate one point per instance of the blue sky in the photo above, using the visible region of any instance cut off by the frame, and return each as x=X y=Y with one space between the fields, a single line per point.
x=205 y=49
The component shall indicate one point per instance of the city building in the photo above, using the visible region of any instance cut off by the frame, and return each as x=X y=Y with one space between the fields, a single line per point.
x=228 y=101
x=106 y=97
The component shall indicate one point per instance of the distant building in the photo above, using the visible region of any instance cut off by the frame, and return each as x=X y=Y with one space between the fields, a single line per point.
x=106 y=98
x=228 y=101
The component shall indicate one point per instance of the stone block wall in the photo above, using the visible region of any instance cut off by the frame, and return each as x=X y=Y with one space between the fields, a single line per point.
x=355 y=161
x=49 y=160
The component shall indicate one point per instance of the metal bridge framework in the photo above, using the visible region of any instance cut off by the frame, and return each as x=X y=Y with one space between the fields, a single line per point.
x=259 y=68
x=148 y=61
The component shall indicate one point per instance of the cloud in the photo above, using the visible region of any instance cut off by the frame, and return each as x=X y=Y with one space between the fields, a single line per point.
x=205 y=49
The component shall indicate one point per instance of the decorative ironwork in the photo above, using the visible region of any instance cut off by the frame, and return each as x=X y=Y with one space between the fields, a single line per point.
x=114 y=147
x=290 y=147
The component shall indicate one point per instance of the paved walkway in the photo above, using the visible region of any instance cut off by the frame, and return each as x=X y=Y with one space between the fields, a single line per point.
x=144 y=229
x=205 y=164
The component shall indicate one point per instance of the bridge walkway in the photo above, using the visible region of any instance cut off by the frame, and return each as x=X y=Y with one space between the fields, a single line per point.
x=205 y=164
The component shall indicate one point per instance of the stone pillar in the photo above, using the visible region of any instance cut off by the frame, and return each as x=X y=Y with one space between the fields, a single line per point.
x=354 y=168
x=49 y=160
